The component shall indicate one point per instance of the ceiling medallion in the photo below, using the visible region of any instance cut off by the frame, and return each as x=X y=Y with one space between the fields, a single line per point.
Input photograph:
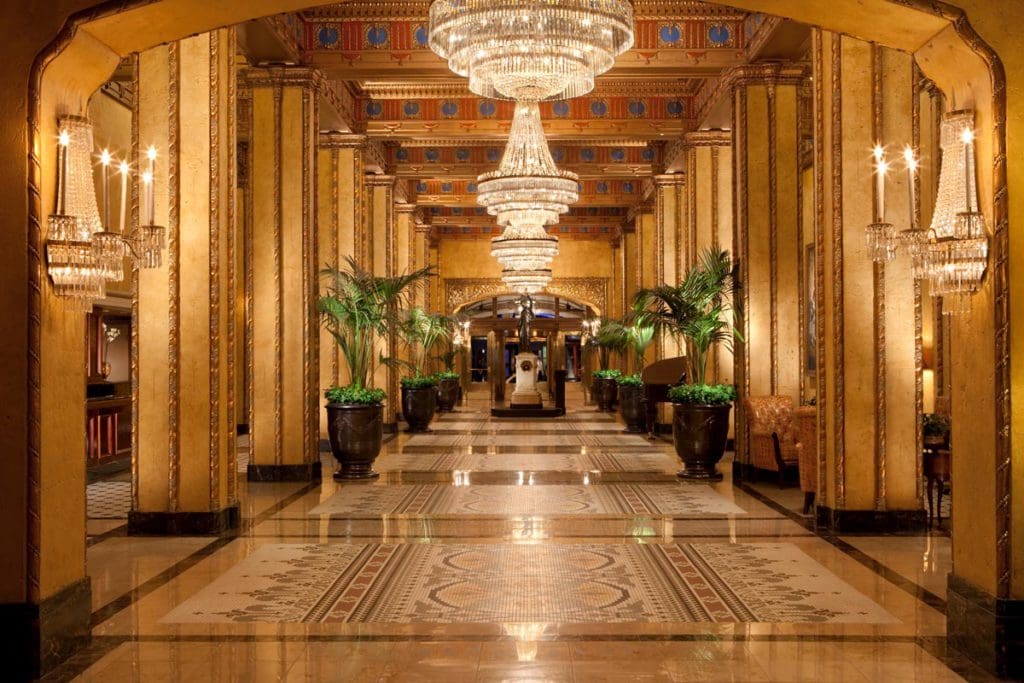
x=531 y=49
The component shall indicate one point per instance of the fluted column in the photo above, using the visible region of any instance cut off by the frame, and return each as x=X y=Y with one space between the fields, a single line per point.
x=672 y=231
x=421 y=256
x=869 y=334
x=644 y=263
x=382 y=260
x=708 y=217
x=341 y=194
x=184 y=458
x=766 y=158
x=282 y=327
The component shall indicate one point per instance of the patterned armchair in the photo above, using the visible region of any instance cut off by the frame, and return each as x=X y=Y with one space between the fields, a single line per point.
x=772 y=443
x=805 y=422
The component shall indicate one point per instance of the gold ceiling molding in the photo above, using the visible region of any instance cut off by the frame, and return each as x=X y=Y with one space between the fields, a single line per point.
x=708 y=138
x=331 y=92
x=670 y=179
x=418 y=10
x=457 y=88
x=497 y=142
x=335 y=140
x=761 y=35
x=592 y=291
x=775 y=73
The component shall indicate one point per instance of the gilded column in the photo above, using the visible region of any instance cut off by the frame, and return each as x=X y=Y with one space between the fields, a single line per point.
x=708 y=219
x=184 y=312
x=382 y=260
x=672 y=221
x=341 y=189
x=870 y=340
x=766 y=157
x=283 y=329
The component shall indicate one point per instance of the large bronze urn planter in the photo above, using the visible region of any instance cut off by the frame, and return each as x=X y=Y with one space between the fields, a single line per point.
x=633 y=408
x=595 y=390
x=700 y=434
x=607 y=393
x=447 y=394
x=356 y=432
x=418 y=407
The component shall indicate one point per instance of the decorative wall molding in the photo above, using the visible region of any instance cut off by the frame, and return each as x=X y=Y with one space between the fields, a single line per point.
x=587 y=290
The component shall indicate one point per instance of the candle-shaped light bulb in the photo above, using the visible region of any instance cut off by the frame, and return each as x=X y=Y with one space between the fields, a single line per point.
x=147 y=183
x=908 y=156
x=124 y=194
x=881 y=167
x=151 y=154
x=967 y=137
x=150 y=201
x=105 y=180
x=64 y=139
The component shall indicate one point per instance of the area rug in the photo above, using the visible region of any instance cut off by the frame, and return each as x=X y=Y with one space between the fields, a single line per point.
x=606 y=499
x=452 y=584
x=108 y=499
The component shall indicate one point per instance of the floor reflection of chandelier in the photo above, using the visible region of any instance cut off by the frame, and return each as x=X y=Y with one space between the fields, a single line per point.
x=531 y=49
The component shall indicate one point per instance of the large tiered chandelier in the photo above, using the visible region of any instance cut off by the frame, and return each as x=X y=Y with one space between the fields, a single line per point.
x=531 y=49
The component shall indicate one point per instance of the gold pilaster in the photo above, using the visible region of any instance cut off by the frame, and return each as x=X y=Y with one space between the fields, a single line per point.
x=183 y=346
x=284 y=335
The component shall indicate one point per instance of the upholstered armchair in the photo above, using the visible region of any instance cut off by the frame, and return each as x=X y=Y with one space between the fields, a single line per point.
x=772 y=444
x=805 y=421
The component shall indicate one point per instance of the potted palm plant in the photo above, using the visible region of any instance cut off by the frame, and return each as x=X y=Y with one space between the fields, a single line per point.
x=696 y=312
x=448 y=382
x=422 y=331
x=356 y=309
x=632 y=406
x=611 y=337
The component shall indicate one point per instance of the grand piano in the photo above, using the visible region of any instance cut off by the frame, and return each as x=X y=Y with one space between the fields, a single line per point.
x=658 y=377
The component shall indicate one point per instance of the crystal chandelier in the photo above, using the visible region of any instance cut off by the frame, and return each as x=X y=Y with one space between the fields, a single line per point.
x=526 y=281
x=531 y=49
x=956 y=259
x=524 y=248
x=70 y=259
x=527 y=189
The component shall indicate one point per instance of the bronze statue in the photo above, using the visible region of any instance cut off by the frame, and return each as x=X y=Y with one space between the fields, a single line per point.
x=525 y=318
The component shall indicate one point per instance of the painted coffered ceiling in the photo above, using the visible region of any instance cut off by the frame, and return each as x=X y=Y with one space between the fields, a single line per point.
x=389 y=85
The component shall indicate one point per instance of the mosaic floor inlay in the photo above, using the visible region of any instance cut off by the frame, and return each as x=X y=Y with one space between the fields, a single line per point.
x=108 y=500
x=628 y=499
x=699 y=582
x=448 y=461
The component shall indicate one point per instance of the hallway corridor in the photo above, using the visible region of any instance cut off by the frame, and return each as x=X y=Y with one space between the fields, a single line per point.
x=494 y=550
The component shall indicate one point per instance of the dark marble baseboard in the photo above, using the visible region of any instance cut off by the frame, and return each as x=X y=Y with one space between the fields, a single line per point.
x=215 y=523
x=988 y=630
x=39 y=637
x=309 y=471
x=872 y=521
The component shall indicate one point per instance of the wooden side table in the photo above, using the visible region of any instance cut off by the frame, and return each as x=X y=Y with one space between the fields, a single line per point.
x=938 y=466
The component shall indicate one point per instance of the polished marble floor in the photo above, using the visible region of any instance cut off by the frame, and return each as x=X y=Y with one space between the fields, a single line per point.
x=495 y=550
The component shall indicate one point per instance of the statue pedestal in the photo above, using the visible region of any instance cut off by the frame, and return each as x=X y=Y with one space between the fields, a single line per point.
x=526 y=394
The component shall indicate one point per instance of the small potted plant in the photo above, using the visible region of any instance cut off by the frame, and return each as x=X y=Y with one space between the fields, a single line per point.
x=448 y=383
x=632 y=404
x=356 y=309
x=421 y=332
x=611 y=337
x=935 y=430
x=696 y=312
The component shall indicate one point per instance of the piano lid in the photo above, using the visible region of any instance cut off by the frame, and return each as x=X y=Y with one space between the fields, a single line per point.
x=668 y=371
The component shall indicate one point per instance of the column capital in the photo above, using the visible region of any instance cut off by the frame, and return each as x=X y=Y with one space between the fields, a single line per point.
x=405 y=208
x=670 y=180
x=766 y=73
x=708 y=138
x=338 y=140
x=282 y=76
x=380 y=180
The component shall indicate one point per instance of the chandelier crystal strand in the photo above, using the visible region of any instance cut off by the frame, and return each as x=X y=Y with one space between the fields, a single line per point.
x=526 y=281
x=524 y=248
x=531 y=49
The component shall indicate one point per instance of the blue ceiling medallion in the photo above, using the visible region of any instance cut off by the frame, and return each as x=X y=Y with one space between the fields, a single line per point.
x=599 y=108
x=558 y=154
x=374 y=109
x=446 y=187
x=587 y=154
x=471 y=188
x=421 y=186
x=376 y=36
x=627 y=187
x=327 y=36
x=462 y=154
x=560 y=109
x=674 y=108
x=421 y=36
x=670 y=34
x=637 y=108
x=493 y=154
x=648 y=154
x=602 y=187
x=411 y=108
x=432 y=154
x=618 y=154
x=719 y=35
x=449 y=108
x=402 y=154
x=487 y=108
